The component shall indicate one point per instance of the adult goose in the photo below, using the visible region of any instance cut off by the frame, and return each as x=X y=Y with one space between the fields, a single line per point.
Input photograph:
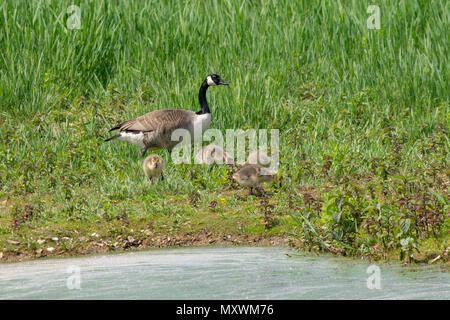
x=154 y=130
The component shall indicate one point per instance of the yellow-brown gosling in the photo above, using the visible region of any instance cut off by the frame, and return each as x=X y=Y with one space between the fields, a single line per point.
x=153 y=166
x=252 y=175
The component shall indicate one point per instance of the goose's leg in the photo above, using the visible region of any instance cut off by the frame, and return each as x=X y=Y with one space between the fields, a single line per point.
x=169 y=155
x=144 y=150
x=261 y=192
x=162 y=177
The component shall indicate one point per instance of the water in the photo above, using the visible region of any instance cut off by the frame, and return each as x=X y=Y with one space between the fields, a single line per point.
x=216 y=273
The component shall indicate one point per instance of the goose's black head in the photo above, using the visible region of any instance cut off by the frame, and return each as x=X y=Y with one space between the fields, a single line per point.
x=215 y=80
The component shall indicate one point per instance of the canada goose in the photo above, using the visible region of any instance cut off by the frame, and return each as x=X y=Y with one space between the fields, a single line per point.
x=154 y=129
x=213 y=154
x=153 y=166
x=251 y=175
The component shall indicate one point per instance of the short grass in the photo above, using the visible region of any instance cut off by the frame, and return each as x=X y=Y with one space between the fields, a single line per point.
x=363 y=115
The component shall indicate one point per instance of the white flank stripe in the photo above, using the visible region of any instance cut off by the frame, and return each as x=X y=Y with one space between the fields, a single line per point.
x=134 y=138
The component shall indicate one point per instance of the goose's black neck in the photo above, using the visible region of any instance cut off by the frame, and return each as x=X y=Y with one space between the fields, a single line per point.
x=202 y=98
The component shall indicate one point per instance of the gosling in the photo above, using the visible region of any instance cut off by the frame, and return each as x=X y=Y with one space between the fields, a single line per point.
x=252 y=175
x=153 y=166
x=259 y=157
x=213 y=154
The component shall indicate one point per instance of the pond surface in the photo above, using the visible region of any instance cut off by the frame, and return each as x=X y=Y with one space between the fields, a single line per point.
x=218 y=273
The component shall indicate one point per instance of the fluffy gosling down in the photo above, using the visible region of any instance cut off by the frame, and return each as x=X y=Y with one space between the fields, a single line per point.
x=252 y=175
x=153 y=166
x=259 y=157
x=213 y=154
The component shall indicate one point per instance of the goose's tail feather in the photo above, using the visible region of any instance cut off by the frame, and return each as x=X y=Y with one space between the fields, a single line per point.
x=113 y=137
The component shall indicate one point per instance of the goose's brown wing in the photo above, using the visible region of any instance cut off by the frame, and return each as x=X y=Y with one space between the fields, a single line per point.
x=152 y=121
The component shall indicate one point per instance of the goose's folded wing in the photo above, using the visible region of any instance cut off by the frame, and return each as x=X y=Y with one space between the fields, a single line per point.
x=152 y=121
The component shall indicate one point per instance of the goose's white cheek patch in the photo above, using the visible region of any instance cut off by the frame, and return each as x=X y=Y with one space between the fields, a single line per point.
x=210 y=81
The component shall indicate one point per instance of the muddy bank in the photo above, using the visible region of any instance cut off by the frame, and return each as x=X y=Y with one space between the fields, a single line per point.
x=101 y=245
x=146 y=239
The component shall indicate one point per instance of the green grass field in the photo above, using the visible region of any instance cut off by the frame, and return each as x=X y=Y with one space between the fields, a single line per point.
x=363 y=116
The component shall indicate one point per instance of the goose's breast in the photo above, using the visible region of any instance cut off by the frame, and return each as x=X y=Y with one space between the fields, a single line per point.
x=203 y=121
x=199 y=124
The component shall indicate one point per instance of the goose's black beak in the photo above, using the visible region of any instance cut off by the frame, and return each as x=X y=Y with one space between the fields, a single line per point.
x=223 y=83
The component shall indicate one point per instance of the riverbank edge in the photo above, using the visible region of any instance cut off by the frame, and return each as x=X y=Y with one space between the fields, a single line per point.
x=201 y=239
x=102 y=245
